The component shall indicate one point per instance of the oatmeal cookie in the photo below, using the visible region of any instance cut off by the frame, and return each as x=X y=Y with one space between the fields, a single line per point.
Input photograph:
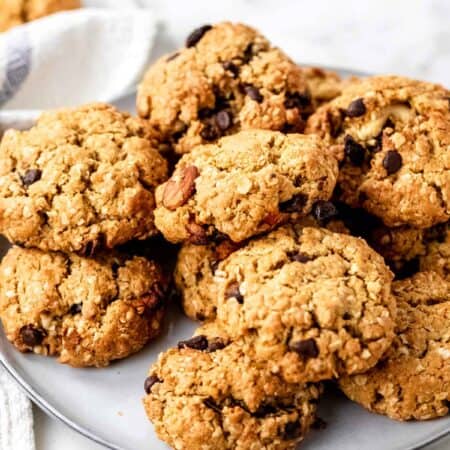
x=316 y=303
x=228 y=78
x=196 y=266
x=408 y=250
x=393 y=134
x=87 y=311
x=324 y=85
x=79 y=180
x=413 y=380
x=17 y=12
x=244 y=185
x=209 y=393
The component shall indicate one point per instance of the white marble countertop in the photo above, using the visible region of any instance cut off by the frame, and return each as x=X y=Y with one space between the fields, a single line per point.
x=402 y=36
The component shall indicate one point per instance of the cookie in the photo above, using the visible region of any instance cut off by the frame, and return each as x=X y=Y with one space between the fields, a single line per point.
x=86 y=311
x=437 y=252
x=408 y=250
x=244 y=185
x=316 y=304
x=324 y=85
x=17 y=12
x=228 y=78
x=413 y=380
x=79 y=180
x=210 y=394
x=196 y=266
x=393 y=134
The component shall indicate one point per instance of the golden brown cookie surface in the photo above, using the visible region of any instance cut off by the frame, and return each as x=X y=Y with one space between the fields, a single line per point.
x=243 y=185
x=228 y=78
x=394 y=137
x=413 y=380
x=80 y=179
x=87 y=311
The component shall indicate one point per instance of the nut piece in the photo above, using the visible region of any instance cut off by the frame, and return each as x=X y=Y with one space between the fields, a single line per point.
x=180 y=188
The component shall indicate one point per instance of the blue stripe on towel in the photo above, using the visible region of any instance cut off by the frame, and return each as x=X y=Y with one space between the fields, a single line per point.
x=17 y=54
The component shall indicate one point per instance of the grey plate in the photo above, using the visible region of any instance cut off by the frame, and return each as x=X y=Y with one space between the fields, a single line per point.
x=105 y=404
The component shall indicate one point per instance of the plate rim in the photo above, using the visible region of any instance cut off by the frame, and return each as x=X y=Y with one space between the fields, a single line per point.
x=54 y=413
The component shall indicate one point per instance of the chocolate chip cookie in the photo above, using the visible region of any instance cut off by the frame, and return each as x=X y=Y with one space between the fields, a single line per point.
x=227 y=78
x=316 y=304
x=208 y=393
x=413 y=380
x=197 y=264
x=79 y=180
x=17 y=12
x=87 y=311
x=244 y=185
x=393 y=134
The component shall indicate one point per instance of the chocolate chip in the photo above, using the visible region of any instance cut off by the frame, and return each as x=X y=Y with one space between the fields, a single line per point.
x=200 y=317
x=253 y=93
x=324 y=211
x=297 y=100
x=223 y=120
x=172 y=56
x=306 y=348
x=196 y=35
x=300 y=257
x=149 y=382
x=233 y=291
x=295 y=204
x=199 y=342
x=75 y=308
x=205 y=113
x=209 y=132
x=31 y=176
x=356 y=108
x=392 y=161
x=248 y=53
x=210 y=403
x=292 y=430
x=355 y=152
x=215 y=344
x=231 y=67
x=31 y=336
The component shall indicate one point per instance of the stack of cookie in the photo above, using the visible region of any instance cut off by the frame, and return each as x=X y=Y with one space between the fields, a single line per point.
x=312 y=218
x=291 y=242
x=73 y=187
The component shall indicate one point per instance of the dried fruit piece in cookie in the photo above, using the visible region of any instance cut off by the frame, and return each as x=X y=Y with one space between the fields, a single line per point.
x=243 y=185
x=317 y=304
x=197 y=266
x=393 y=134
x=228 y=78
x=87 y=311
x=17 y=12
x=413 y=380
x=79 y=180
x=221 y=398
